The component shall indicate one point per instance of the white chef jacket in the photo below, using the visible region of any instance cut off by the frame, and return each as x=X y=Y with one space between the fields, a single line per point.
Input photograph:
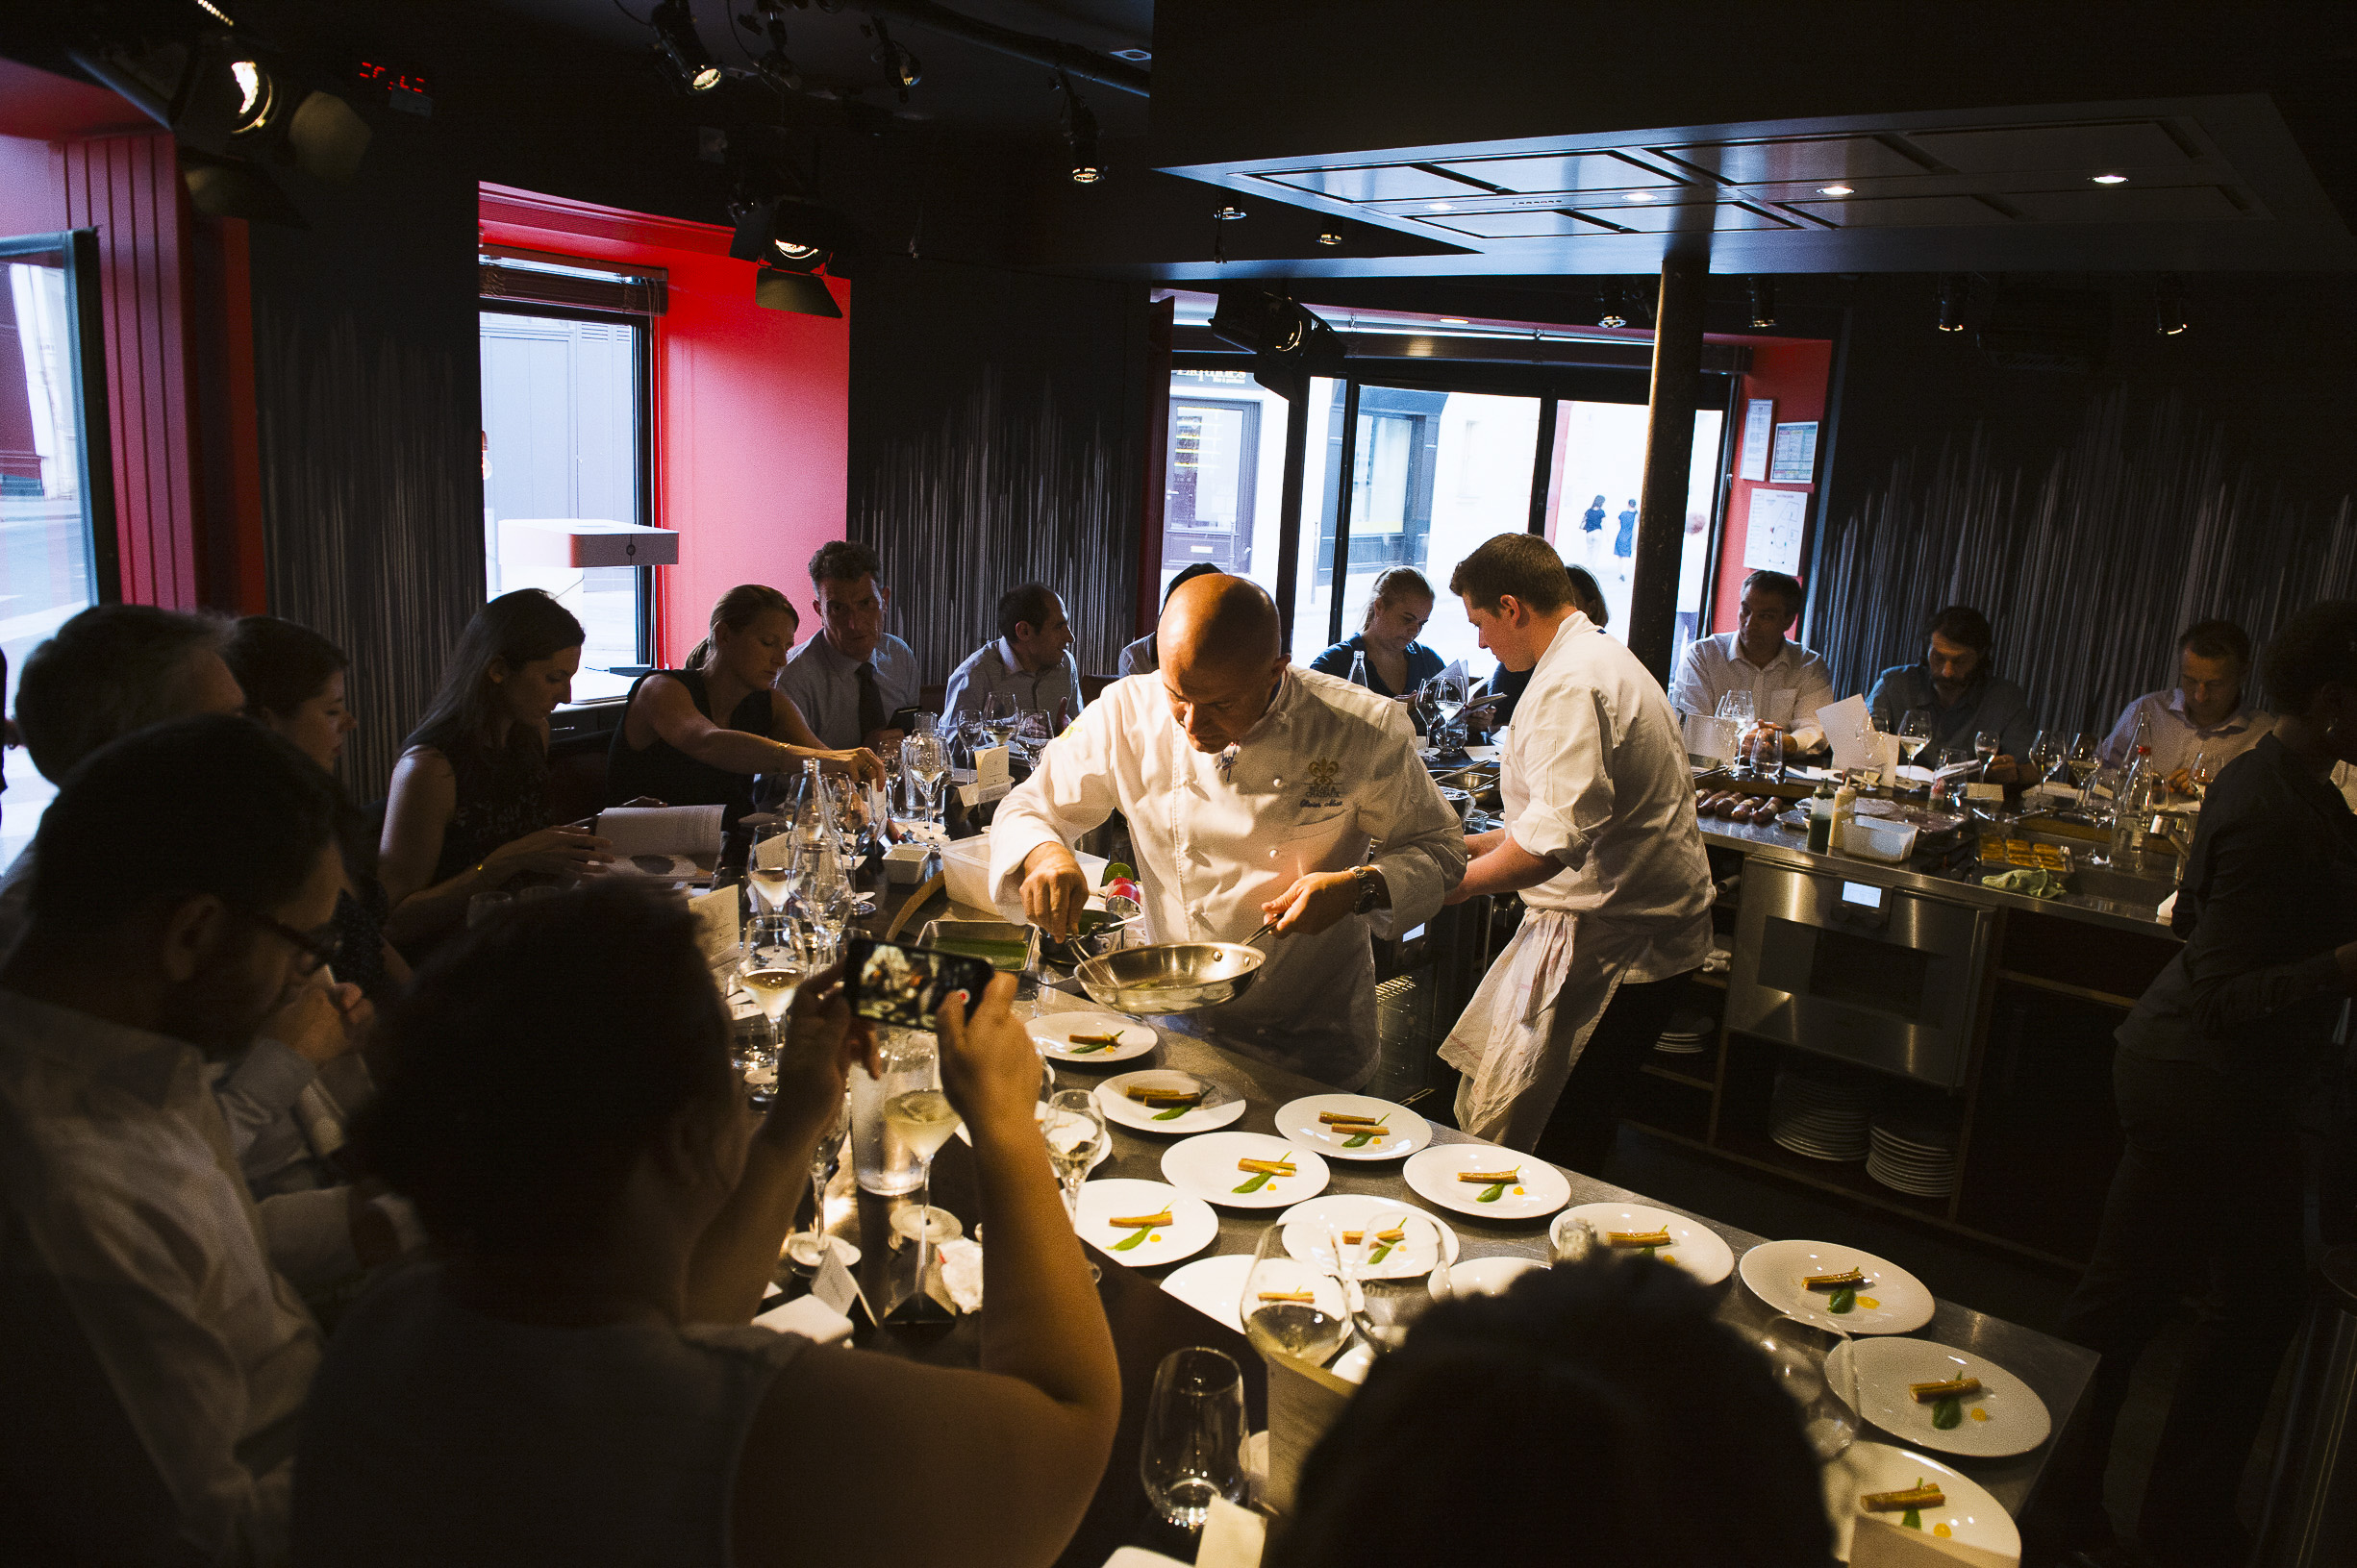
x=1593 y=775
x=1788 y=690
x=1330 y=768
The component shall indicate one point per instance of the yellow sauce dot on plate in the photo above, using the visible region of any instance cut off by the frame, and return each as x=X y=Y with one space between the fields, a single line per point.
x=1941 y=1531
x=1979 y=1414
x=1868 y=1303
x=1152 y=1239
x=1517 y=1192
x=1666 y=1258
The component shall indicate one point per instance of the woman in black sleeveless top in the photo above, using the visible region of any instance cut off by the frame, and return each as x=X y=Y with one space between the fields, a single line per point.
x=469 y=812
x=696 y=736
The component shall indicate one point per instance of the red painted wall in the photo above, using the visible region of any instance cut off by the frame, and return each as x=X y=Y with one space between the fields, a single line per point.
x=752 y=407
x=1793 y=371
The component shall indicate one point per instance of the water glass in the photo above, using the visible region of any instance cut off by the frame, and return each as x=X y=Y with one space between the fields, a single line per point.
x=880 y=1161
x=487 y=906
x=1192 y=1447
x=1571 y=1239
x=1812 y=1362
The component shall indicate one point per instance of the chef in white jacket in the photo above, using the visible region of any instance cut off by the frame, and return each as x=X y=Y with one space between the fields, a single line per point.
x=1600 y=840
x=1252 y=791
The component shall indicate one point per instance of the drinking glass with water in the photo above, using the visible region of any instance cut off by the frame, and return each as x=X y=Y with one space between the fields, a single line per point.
x=1192 y=1447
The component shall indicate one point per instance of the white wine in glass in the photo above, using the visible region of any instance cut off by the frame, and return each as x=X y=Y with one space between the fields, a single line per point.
x=773 y=988
x=1291 y=1306
x=924 y=1119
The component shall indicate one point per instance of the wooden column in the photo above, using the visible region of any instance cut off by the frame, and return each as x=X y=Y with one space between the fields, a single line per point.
x=1669 y=451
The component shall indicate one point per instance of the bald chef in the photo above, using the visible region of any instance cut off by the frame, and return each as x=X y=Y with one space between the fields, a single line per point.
x=1252 y=791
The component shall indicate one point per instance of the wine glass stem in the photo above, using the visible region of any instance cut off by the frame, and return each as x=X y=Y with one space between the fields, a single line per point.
x=924 y=1223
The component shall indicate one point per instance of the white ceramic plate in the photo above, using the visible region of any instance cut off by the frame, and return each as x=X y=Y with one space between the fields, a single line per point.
x=1404 y=1131
x=1347 y=1211
x=1192 y=1225
x=1693 y=1247
x=1538 y=1190
x=1221 y=1106
x=1212 y=1285
x=1053 y=1035
x=1894 y=1301
x=1205 y=1167
x=1487 y=1276
x=2005 y=1417
x=1971 y=1515
x=1427 y=1241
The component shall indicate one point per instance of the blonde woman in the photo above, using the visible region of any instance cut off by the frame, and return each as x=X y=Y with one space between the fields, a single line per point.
x=695 y=736
x=1396 y=610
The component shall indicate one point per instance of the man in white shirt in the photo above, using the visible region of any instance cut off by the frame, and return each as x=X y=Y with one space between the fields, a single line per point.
x=1253 y=791
x=1601 y=841
x=852 y=677
x=1787 y=682
x=152 y=1360
x=1028 y=667
x=2201 y=717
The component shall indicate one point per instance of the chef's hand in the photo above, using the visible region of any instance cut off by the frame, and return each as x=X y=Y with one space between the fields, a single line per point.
x=1318 y=901
x=1054 y=890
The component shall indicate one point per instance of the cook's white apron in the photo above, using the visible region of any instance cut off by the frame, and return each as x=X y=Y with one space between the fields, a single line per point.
x=1530 y=1019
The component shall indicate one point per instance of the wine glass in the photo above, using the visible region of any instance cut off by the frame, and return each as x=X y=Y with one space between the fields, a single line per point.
x=1295 y=1307
x=1915 y=732
x=1571 y=1239
x=770 y=869
x=1986 y=744
x=808 y=1249
x=924 y=761
x=1393 y=1278
x=1768 y=752
x=1812 y=1362
x=2080 y=763
x=923 y=1120
x=1077 y=1137
x=999 y=718
x=1192 y=1450
x=769 y=975
x=2199 y=774
x=826 y=894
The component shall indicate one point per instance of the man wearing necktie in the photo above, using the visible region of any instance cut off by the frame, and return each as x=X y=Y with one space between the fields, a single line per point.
x=853 y=677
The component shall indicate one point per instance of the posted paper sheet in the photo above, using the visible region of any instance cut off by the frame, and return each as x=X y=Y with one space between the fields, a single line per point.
x=1778 y=520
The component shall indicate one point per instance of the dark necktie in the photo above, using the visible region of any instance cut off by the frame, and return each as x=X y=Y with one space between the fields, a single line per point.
x=871 y=703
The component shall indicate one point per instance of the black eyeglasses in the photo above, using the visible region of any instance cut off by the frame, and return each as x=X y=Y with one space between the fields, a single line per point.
x=313 y=955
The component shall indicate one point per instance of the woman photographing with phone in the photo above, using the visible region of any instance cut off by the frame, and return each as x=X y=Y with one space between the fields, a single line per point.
x=571 y=1375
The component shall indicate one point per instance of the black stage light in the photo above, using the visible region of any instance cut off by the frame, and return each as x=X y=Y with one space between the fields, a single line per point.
x=681 y=49
x=1254 y=319
x=777 y=289
x=220 y=96
x=1762 y=302
x=786 y=233
x=229 y=188
x=1614 y=313
x=2168 y=317
x=1951 y=302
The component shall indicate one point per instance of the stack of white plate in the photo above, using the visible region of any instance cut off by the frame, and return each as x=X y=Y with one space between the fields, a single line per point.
x=1689 y=1035
x=1821 y=1114
x=1913 y=1157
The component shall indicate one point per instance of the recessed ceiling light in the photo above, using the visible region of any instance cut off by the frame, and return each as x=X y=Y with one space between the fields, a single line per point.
x=1329 y=238
x=1837 y=190
x=1452 y=320
x=1640 y=195
x=2109 y=179
x=1139 y=56
x=1442 y=206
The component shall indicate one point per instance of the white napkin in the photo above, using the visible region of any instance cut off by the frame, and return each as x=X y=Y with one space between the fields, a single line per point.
x=808 y=1316
x=1232 y=1538
x=961 y=1272
x=1137 y=1556
x=660 y=829
x=1852 y=732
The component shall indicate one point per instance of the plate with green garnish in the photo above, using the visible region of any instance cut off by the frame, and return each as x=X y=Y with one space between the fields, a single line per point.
x=1142 y=1224
x=1088 y=1039
x=1487 y=1182
x=1353 y=1126
x=1823 y=1281
x=1937 y=1396
x=1244 y=1170
x=1167 y=1100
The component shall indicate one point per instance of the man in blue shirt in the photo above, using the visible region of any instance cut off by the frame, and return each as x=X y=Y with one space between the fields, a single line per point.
x=853 y=676
x=1955 y=686
x=1028 y=667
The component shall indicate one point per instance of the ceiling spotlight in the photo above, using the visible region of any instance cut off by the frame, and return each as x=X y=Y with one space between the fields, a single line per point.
x=793 y=236
x=257 y=97
x=1329 y=238
x=1762 y=302
x=1080 y=130
x=2109 y=179
x=904 y=66
x=2168 y=317
x=1837 y=190
x=681 y=49
x=1951 y=302
x=1614 y=313
x=1229 y=214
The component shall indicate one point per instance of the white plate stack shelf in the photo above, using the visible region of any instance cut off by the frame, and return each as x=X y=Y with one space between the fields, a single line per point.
x=1820 y=1111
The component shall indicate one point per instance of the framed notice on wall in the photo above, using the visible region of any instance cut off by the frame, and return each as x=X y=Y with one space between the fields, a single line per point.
x=1759 y=422
x=1796 y=459
x=1772 y=541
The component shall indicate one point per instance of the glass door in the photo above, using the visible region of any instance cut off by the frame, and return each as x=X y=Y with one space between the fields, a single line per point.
x=57 y=510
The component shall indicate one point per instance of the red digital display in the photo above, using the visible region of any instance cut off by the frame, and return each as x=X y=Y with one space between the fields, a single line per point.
x=387 y=78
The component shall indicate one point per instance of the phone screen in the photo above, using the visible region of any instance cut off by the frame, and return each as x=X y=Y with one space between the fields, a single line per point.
x=906 y=985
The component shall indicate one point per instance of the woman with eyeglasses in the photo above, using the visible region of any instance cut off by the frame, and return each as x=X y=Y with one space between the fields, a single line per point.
x=469 y=812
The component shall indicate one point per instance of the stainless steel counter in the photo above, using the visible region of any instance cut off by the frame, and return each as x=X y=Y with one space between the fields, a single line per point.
x=1767 y=840
x=2058 y=1371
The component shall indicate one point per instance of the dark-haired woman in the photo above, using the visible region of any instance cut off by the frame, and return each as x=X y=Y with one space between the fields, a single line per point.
x=1613 y=1382
x=469 y=812
x=695 y=736
x=2213 y=1068
x=573 y=1377
x=293 y=680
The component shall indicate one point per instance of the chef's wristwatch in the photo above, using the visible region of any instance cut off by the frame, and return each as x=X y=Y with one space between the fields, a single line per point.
x=1370 y=889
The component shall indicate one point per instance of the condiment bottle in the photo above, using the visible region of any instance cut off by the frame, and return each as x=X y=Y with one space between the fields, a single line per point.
x=1844 y=812
x=1821 y=818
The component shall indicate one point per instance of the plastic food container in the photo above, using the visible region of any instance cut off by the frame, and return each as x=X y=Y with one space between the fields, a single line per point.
x=1871 y=838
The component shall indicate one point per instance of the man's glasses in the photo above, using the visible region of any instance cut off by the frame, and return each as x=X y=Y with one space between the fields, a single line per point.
x=313 y=953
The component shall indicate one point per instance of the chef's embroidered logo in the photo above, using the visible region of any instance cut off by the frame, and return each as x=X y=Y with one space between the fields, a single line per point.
x=1319 y=787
